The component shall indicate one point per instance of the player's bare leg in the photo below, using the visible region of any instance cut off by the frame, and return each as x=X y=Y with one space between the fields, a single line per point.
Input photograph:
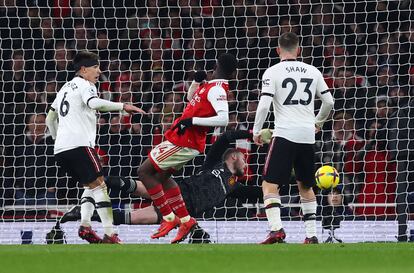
x=308 y=205
x=149 y=177
x=272 y=204
x=144 y=216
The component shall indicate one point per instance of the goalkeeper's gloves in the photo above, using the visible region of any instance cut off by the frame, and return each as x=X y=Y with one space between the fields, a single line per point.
x=182 y=125
x=200 y=76
x=266 y=135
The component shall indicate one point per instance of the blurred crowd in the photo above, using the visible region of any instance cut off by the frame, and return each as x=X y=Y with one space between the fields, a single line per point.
x=149 y=51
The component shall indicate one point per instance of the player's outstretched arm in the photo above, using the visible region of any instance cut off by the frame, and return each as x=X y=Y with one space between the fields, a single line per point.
x=220 y=146
x=129 y=108
x=51 y=122
x=108 y=106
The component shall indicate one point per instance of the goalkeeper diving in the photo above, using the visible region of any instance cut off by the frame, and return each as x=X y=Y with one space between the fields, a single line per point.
x=215 y=181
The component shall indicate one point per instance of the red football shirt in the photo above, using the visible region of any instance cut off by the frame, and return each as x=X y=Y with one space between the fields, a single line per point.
x=199 y=106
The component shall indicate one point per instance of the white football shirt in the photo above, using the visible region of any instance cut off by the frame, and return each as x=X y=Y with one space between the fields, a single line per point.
x=77 y=122
x=293 y=85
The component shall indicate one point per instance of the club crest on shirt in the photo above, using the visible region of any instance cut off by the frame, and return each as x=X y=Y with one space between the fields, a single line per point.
x=231 y=181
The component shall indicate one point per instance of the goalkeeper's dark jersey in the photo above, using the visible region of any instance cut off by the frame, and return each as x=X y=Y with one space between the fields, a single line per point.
x=208 y=188
x=214 y=182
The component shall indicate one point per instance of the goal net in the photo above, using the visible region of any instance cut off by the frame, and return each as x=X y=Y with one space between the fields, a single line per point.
x=149 y=51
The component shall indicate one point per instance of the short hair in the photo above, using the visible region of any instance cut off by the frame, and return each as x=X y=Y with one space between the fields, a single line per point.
x=18 y=52
x=289 y=41
x=229 y=152
x=84 y=58
x=227 y=64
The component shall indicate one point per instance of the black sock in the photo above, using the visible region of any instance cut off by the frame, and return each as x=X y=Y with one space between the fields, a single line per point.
x=124 y=184
x=121 y=217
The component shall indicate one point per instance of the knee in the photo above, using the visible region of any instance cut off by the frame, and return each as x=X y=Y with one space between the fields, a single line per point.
x=269 y=188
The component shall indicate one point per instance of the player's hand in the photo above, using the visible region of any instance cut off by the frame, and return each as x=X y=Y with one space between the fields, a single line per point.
x=133 y=109
x=200 y=76
x=258 y=140
x=183 y=125
x=266 y=135
x=317 y=129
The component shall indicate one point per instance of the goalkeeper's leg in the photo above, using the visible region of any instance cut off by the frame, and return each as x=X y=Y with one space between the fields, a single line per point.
x=145 y=216
x=124 y=184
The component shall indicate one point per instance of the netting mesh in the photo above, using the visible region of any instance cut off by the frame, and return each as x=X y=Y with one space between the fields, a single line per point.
x=149 y=51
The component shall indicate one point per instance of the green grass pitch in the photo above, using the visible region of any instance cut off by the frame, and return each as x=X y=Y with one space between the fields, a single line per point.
x=283 y=258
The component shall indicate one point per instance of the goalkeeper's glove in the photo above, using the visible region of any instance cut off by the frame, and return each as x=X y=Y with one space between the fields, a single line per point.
x=266 y=135
x=182 y=125
x=200 y=76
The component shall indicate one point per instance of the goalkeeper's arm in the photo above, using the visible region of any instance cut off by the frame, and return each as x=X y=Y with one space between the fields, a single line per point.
x=51 y=122
x=220 y=146
x=225 y=141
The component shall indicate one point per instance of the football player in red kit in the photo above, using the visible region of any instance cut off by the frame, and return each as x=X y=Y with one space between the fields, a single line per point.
x=207 y=107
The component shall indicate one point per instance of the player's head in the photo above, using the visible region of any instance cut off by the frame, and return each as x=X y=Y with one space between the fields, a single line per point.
x=235 y=161
x=86 y=65
x=335 y=197
x=226 y=66
x=36 y=124
x=288 y=44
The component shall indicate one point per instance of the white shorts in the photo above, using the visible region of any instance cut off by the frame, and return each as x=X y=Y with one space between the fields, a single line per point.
x=169 y=157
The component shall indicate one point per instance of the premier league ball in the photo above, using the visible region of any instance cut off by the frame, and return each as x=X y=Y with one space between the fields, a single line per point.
x=327 y=177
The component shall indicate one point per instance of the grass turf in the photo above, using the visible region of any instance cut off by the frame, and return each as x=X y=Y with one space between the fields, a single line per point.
x=284 y=258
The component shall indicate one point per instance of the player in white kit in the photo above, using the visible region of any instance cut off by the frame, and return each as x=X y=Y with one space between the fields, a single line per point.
x=72 y=123
x=291 y=86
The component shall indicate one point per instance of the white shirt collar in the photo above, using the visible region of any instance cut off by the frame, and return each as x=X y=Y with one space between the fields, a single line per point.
x=219 y=80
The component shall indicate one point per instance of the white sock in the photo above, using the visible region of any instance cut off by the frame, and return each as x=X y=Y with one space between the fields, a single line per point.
x=104 y=208
x=87 y=207
x=170 y=217
x=272 y=208
x=185 y=219
x=309 y=213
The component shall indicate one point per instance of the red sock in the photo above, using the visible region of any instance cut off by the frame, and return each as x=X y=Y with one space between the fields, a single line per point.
x=175 y=199
x=159 y=199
